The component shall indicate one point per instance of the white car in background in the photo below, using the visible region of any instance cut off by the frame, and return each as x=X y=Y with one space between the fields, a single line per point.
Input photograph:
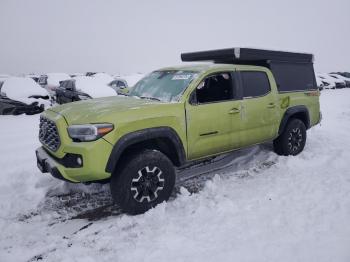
x=330 y=82
x=341 y=78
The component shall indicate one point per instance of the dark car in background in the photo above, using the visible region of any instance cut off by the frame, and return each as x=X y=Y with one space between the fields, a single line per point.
x=67 y=92
x=13 y=107
x=90 y=73
x=51 y=81
x=10 y=106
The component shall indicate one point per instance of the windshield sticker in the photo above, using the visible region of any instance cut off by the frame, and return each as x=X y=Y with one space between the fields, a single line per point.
x=181 y=77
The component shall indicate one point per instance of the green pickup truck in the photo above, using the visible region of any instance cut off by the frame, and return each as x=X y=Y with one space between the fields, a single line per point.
x=178 y=115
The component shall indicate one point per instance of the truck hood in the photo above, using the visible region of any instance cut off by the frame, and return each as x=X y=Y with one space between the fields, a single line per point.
x=100 y=109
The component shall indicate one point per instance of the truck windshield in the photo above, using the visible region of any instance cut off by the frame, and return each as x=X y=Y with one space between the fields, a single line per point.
x=163 y=85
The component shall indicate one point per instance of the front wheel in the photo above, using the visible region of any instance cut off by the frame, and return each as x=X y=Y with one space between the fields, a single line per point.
x=292 y=140
x=143 y=181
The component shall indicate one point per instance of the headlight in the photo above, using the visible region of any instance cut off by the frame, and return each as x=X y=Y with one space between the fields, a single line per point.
x=89 y=132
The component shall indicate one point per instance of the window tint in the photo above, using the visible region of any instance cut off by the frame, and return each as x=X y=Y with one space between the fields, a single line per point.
x=293 y=77
x=255 y=83
x=215 y=88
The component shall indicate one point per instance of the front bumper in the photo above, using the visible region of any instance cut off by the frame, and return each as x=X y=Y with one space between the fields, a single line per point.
x=46 y=164
x=92 y=168
x=62 y=162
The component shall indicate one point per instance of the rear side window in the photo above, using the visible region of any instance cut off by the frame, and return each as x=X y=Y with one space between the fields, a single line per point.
x=255 y=84
x=293 y=77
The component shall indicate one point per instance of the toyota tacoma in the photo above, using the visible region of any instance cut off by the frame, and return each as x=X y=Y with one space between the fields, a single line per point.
x=178 y=115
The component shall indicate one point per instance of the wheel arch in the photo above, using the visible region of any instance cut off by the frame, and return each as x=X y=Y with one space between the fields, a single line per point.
x=300 y=112
x=164 y=139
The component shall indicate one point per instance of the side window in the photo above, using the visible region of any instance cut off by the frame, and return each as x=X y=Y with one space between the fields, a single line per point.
x=66 y=85
x=215 y=88
x=63 y=84
x=255 y=83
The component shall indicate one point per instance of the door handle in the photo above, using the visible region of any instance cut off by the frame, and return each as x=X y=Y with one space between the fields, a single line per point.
x=234 y=111
x=271 y=105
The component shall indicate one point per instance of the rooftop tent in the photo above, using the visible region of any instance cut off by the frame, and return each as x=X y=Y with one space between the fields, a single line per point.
x=292 y=71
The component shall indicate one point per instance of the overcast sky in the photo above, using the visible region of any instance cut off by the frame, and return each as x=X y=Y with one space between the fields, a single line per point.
x=139 y=36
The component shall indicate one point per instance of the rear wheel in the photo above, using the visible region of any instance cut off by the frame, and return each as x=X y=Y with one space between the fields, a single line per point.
x=292 y=140
x=144 y=180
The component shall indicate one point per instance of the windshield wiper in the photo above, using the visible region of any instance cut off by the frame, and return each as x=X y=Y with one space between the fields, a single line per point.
x=151 y=98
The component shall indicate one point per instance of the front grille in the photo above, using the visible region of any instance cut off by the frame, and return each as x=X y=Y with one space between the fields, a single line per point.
x=48 y=133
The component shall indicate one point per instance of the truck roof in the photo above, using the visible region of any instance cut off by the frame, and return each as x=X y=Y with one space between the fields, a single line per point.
x=200 y=67
x=192 y=67
x=246 y=55
x=292 y=71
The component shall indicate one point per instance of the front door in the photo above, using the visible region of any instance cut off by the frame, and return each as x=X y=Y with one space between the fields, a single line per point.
x=213 y=116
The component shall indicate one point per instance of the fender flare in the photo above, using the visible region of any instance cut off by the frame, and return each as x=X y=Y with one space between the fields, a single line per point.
x=301 y=109
x=141 y=136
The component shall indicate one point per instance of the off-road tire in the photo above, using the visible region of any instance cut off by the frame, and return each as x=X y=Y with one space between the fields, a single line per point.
x=148 y=172
x=292 y=140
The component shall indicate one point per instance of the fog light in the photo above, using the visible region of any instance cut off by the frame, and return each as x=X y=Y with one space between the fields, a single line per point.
x=79 y=161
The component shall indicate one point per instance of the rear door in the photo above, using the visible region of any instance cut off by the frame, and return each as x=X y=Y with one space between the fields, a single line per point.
x=213 y=116
x=259 y=107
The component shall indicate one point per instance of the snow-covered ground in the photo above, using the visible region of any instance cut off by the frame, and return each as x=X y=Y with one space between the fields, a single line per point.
x=259 y=207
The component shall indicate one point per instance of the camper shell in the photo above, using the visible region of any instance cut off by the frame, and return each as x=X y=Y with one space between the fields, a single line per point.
x=292 y=71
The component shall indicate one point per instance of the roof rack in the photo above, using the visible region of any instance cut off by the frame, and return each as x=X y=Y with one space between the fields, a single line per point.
x=246 y=55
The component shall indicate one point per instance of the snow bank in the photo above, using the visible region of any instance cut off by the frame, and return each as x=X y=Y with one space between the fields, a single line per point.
x=54 y=79
x=132 y=79
x=94 y=86
x=20 y=88
x=102 y=78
